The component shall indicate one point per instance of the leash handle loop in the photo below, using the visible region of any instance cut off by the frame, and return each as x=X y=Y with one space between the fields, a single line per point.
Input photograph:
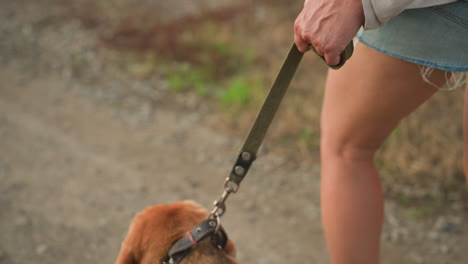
x=344 y=56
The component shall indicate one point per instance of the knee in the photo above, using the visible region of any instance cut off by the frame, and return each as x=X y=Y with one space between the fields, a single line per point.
x=347 y=150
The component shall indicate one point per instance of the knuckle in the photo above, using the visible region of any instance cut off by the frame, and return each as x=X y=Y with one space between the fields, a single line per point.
x=297 y=26
x=317 y=45
x=330 y=48
x=306 y=37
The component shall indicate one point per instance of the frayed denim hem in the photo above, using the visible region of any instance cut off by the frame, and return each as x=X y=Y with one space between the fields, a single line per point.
x=454 y=76
x=420 y=62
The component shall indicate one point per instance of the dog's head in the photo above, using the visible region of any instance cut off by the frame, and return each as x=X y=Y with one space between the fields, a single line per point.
x=154 y=230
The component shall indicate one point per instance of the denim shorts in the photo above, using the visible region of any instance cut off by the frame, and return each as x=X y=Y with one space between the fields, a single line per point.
x=435 y=37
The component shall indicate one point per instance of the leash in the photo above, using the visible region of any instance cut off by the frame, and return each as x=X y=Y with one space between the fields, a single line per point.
x=248 y=153
x=264 y=118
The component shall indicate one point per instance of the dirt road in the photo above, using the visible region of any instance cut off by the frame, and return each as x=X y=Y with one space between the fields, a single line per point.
x=81 y=154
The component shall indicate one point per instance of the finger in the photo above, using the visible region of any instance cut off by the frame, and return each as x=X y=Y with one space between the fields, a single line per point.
x=316 y=50
x=332 y=59
x=301 y=44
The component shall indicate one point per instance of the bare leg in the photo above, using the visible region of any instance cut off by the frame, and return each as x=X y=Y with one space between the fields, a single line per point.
x=364 y=101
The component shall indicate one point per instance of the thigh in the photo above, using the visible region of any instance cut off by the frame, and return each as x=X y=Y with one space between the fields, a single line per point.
x=367 y=98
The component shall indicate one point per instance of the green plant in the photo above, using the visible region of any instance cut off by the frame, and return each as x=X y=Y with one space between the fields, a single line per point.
x=309 y=137
x=223 y=49
x=422 y=212
x=187 y=78
x=237 y=93
x=176 y=82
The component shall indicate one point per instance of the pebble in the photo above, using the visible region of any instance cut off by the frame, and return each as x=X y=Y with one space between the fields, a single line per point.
x=27 y=31
x=392 y=220
x=397 y=235
x=102 y=222
x=87 y=255
x=136 y=110
x=265 y=261
x=312 y=212
x=21 y=220
x=444 y=249
x=417 y=258
x=447 y=226
x=266 y=209
x=394 y=236
x=241 y=256
x=252 y=219
x=41 y=249
x=433 y=235
x=292 y=220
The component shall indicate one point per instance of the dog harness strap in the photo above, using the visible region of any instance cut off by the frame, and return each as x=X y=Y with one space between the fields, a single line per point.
x=194 y=242
x=187 y=243
x=265 y=116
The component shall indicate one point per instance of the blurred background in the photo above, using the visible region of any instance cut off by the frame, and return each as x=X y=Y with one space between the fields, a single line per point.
x=109 y=106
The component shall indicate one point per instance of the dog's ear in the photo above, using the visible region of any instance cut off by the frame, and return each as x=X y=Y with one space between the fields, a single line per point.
x=127 y=249
x=126 y=257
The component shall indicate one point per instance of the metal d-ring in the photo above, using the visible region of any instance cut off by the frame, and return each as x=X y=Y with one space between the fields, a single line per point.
x=218 y=223
x=219 y=205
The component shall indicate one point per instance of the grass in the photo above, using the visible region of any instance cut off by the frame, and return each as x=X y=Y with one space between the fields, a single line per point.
x=237 y=93
x=142 y=67
x=423 y=211
x=188 y=78
x=217 y=68
x=309 y=138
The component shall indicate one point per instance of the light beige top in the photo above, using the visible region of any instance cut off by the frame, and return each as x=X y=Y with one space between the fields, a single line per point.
x=378 y=12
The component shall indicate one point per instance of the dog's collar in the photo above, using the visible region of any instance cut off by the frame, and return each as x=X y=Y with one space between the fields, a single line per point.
x=182 y=247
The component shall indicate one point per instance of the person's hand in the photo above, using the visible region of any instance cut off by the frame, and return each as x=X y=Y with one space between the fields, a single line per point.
x=328 y=25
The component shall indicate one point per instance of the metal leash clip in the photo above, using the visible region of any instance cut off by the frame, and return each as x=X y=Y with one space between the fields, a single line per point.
x=220 y=205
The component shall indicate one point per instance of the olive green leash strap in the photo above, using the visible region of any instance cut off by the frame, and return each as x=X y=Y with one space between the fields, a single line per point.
x=344 y=56
x=267 y=112
x=264 y=118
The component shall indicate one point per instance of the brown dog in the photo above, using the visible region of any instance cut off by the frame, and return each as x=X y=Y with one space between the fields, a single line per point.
x=154 y=230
